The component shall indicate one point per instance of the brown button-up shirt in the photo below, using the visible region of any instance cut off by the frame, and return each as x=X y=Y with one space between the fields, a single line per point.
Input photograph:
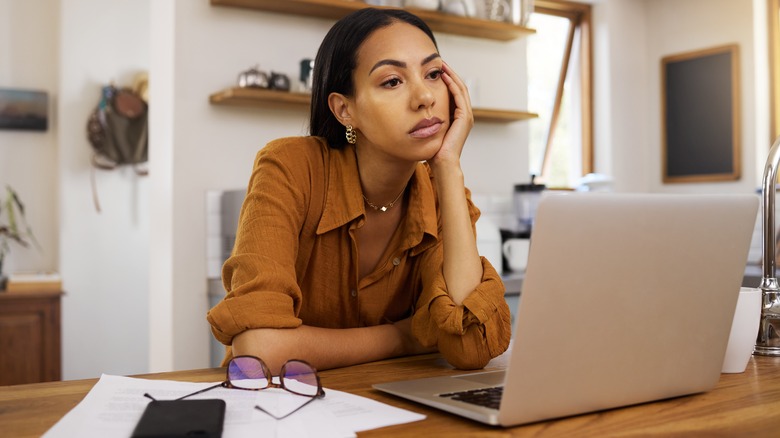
x=295 y=259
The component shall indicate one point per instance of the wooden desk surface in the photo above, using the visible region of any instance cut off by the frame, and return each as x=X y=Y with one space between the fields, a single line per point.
x=746 y=404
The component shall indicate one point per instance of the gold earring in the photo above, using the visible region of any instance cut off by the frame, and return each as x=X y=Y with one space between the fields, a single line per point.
x=351 y=135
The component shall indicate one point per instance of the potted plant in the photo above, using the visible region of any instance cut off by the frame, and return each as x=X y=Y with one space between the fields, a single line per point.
x=13 y=228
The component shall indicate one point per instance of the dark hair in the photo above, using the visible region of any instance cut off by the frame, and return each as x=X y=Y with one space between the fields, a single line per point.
x=336 y=60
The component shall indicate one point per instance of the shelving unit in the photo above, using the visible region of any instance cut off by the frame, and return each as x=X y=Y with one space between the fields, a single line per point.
x=335 y=9
x=259 y=97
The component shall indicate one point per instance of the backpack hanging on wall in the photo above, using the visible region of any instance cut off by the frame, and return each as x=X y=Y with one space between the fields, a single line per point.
x=117 y=130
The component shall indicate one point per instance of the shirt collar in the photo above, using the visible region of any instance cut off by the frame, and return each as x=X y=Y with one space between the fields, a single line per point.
x=344 y=199
x=344 y=196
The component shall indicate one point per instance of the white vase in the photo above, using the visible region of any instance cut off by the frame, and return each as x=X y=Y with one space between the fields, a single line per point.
x=431 y=5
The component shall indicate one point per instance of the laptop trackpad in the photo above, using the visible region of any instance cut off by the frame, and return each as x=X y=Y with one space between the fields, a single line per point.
x=491 y=378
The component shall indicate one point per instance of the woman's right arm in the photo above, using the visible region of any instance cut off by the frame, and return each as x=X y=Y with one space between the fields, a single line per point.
x=324 y=348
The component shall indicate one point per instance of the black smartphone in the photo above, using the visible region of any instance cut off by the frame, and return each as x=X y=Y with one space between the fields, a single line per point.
x=181 y=418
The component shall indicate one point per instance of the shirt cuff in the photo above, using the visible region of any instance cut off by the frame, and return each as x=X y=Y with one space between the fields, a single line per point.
x=478 y=307
x=234 y=315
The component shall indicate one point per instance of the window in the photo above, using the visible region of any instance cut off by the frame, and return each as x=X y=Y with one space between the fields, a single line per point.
x=560 y=91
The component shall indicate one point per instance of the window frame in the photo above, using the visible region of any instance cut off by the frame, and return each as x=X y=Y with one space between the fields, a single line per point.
x=580 y=23
x=773 y=12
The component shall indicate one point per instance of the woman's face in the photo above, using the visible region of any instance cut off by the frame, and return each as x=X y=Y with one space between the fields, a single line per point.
x=401 y=104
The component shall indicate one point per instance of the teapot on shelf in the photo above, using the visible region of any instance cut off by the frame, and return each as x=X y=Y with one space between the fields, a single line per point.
x=430 y=5
x=494 y=10
x=253 y=78
x=463 y=8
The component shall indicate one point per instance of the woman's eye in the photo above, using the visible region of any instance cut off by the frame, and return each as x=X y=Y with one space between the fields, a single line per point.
x=436 y=74
x=391 y=83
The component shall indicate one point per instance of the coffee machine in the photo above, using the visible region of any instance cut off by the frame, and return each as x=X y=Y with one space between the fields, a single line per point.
x=525 y=201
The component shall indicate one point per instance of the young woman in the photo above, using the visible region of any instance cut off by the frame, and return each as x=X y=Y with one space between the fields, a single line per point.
x=357 y=243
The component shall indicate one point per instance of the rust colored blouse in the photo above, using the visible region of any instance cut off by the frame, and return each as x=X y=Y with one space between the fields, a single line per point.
x=295 y=259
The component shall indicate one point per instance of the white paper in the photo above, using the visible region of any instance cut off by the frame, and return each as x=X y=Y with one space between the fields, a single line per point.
x=115 y=404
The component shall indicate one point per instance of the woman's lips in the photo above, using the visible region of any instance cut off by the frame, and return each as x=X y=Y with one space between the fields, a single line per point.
x=426 y=128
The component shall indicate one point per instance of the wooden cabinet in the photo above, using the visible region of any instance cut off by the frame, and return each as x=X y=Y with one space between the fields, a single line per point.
x=335 y=9
x=30 y=337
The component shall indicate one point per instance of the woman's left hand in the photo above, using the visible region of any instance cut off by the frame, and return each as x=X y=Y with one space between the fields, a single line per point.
x=461 y=122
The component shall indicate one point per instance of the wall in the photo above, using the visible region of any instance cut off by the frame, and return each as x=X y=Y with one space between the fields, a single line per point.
x=621 y=93
x=103 y=256
x=65 y=50
x=725 y=22
x=631 y=39
x=28 y=160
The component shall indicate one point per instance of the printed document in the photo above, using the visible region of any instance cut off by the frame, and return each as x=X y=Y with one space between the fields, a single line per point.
x=115 y=404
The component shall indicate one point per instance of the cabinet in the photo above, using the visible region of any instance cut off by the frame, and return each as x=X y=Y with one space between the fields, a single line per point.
x=30 y=337
x=335 y=9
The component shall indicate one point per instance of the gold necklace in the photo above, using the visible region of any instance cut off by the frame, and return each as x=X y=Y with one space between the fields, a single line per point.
x=384 y=208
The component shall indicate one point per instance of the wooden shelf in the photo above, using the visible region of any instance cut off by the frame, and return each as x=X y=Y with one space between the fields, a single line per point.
x=239 y=96
x=335 y=9
x=501 y=116
x=259 y=97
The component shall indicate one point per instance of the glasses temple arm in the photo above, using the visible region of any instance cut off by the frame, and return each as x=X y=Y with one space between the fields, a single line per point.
x=289 y=413
x=199 y=392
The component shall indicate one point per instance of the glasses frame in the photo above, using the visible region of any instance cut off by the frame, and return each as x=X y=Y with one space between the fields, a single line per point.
x=227 y=384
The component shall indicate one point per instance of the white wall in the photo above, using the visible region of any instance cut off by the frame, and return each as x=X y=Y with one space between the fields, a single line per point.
x=621 y=91
x=631 y=39
x=28 y=159
x=103 y=256
x=722 y=22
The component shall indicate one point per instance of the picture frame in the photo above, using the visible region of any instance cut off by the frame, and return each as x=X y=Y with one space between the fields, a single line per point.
x=700 y=96
x=25 y=110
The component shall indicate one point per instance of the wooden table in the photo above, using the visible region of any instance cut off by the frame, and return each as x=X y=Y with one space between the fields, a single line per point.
x=746 y=404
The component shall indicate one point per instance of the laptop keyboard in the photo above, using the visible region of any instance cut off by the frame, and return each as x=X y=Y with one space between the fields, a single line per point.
x=487 y=397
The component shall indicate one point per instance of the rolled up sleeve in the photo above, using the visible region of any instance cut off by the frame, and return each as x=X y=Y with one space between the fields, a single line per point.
x=468 y=335
x=233 y=316
x=260 y=277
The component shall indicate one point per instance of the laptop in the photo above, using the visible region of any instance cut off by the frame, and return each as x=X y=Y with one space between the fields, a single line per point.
x=627 y=298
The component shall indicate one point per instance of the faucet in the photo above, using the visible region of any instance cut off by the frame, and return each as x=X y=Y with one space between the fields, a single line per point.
x=768 y=340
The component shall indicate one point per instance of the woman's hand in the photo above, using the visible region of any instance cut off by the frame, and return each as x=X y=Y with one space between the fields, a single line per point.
x=461 y=122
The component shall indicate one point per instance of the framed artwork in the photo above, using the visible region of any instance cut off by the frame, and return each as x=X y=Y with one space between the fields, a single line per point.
x=25 y=110
x=701 y=113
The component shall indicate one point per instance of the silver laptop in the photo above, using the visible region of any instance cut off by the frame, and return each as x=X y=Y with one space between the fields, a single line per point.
x=627 y=298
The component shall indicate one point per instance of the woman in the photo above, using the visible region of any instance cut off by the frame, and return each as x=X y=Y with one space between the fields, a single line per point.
x=350 y=248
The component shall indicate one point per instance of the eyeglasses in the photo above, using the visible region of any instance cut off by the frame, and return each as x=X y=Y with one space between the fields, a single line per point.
x=252 y=374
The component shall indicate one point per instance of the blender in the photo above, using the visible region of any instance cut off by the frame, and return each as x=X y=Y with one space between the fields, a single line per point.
x=525 y=201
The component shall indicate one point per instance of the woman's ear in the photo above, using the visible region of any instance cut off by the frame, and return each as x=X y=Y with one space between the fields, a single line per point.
x=341 y=108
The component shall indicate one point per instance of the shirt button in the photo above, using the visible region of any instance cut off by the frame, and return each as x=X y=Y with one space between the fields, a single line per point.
x=353 y=292
x=396 y=261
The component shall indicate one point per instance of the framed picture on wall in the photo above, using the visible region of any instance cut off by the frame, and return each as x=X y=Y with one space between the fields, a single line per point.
x=701 y=112
x=26 y=110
